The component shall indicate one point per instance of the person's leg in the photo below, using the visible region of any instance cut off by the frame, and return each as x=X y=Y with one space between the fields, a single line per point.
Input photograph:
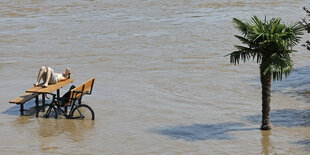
x=48 y=76
x=42 y=71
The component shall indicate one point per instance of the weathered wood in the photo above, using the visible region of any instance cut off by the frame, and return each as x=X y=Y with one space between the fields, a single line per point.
x=23 y=98
x=50 y=88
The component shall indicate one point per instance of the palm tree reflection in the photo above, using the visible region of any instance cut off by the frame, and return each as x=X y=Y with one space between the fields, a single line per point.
x=266 y=143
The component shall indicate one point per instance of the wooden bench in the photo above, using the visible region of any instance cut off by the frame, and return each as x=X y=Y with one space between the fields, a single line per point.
x=34 y=92
x=77 y=93
x=21 y=100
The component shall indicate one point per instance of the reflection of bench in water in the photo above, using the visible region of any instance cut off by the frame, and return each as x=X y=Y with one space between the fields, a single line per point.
x=34 y=92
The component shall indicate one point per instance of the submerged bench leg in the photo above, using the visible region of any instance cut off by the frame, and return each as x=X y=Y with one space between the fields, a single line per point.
x=22 y=109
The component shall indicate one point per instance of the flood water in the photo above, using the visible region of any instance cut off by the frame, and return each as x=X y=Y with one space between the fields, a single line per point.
x=163 y=84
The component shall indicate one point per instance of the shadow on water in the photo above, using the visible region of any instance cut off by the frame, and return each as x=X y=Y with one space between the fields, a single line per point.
x=296 y=84
x=29 y=109
x=199 y=132
x=286 y=117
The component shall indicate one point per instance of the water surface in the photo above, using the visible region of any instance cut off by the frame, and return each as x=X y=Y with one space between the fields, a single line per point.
x=163 y=84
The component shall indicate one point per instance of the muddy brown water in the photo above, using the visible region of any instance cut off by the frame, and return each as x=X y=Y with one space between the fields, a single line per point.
x=163 y=84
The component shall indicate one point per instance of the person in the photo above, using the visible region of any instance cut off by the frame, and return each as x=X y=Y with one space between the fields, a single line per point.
x=49 y=77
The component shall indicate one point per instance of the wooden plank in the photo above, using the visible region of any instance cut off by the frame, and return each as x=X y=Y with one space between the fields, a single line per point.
x=54 y=87
x=23 y=98
x=87 y=86
x=50 y=88
x=33 y=89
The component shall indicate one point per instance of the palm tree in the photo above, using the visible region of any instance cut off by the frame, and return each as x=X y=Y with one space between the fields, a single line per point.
x=270 y=44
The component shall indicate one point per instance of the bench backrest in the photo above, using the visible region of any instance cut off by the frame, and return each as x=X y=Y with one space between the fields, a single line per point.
x=81 y=90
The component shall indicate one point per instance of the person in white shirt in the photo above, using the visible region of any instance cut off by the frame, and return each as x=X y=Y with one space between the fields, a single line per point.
x=49 y=77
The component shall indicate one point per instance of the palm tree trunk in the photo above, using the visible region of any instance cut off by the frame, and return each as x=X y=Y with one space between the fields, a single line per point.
x=266 y=85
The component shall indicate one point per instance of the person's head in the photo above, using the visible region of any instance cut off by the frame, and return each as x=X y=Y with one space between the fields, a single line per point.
x=67 y=73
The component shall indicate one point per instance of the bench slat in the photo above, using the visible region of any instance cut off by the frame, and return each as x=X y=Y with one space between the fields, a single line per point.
x=23 y=98
x=87 y=87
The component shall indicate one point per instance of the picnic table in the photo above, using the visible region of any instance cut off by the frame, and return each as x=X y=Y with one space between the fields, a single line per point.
x=34 y=92
x=74 y=100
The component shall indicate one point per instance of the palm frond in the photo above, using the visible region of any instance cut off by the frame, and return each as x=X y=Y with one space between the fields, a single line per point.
x=242 y=39
x=275 y=23
x=269 y=42
x=242 y=54
x=241 y=26
x=259 y=25
x=278 y=64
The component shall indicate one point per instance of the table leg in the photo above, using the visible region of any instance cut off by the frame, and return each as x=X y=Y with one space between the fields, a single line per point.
x=22 y=109
x=37 y=103
x=58 y=92
x=43 y=100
